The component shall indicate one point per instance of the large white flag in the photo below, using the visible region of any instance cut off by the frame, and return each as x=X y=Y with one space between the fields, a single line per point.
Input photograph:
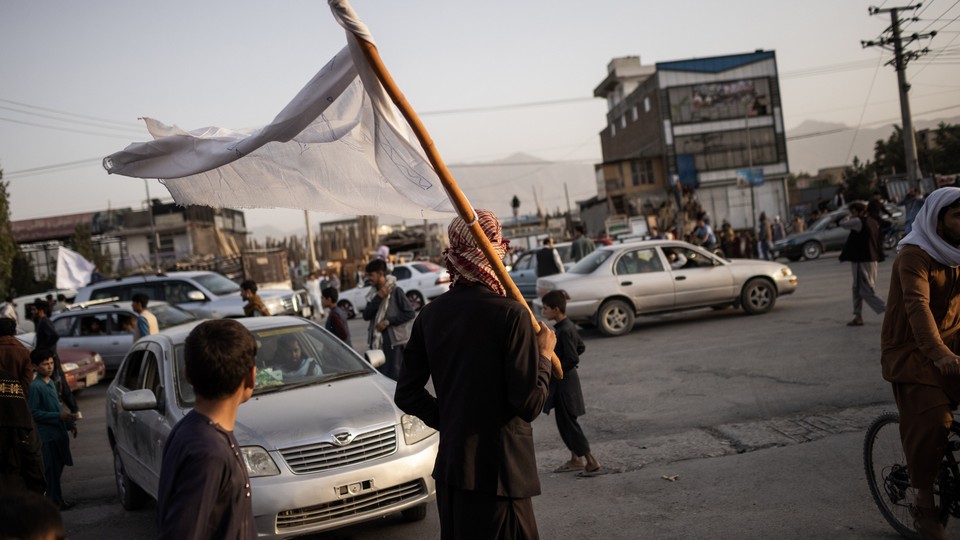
x=73 y=271
x=340 y=146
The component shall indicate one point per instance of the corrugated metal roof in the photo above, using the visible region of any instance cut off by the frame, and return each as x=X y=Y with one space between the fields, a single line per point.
x=49 y=228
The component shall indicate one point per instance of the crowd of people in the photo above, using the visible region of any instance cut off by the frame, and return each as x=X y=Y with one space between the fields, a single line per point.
x=491 y=373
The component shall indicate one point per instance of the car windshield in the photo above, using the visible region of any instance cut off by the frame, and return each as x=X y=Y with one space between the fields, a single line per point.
x=590 y=263
x=289 y=357
x=821 y=223
x=168 y=315
x=217 y=284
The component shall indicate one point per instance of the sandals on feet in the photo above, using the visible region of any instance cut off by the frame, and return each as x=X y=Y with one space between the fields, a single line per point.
x=568 y=467
x=599 y=471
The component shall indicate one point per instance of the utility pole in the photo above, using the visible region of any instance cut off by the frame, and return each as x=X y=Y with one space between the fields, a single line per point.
x=899 y=62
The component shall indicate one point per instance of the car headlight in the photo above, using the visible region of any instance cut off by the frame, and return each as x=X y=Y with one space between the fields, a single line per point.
x=414 y=430
x=70 y=366
x=786 y=272
x=258 y=462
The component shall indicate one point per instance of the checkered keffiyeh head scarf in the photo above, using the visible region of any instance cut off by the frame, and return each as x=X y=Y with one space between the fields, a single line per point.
x=464 y=259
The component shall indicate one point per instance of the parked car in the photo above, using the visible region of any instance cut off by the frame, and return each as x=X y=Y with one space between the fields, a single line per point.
x=82 y=368
x=22 y=306
x=826 y=234
x=208 y=295
x=322 y=451
x=421 y=281
x=106 y=328
x=524 y=269
x=611 y=286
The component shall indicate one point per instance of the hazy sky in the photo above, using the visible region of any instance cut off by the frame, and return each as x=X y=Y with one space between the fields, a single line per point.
x=77 y=75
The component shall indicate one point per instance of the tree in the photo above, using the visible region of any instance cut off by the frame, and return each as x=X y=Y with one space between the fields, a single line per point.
x=8 y=247
x=82 y=243
x=859 y=179
x=944 y=157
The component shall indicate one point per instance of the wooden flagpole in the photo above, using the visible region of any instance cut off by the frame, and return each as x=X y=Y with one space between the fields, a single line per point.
x=464 y=210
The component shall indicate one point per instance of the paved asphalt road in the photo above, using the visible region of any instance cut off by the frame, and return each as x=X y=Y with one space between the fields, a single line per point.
x=759 y=421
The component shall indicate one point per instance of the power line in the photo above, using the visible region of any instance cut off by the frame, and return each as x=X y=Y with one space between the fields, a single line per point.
x=81 y=122
x=29 y=106
x=864 y=110
x=57 y=128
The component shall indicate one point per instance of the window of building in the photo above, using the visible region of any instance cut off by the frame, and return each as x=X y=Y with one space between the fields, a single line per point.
x=635 y=172
x=623 y=121
x=613 y=129
x=728 y=149
x=646 y=104
x=634 y=113
x=646 y=174
x=720 y=101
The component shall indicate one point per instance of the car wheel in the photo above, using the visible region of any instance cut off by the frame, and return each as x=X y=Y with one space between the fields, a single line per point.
x=417 y=513
x=812 y=250
x=132 y=497
x=758 y=296
x=348 y=307
x=415 y=299
x=615 y=318
x=793 y=258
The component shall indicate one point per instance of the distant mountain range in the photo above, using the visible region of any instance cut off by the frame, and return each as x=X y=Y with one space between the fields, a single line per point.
x=816 y=145
x=537 y=183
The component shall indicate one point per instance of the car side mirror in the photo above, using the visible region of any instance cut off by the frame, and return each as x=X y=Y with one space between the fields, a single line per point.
x=141 y=400
x=375 y=357
x=196 y=296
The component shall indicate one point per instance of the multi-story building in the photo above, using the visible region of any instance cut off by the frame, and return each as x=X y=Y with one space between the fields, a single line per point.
x=165 y=233
x=711 y=125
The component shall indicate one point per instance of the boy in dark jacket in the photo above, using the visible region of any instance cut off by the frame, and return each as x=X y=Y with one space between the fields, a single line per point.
x=566 y=397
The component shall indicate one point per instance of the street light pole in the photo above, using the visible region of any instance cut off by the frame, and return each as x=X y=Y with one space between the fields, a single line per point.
x=153 y=228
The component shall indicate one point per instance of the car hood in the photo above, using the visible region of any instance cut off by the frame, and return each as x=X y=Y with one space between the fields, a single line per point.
x=313 y=413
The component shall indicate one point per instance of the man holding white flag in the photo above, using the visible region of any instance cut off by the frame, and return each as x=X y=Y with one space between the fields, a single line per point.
x=73 y=271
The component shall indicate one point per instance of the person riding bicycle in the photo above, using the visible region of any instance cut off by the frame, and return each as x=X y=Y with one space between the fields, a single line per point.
x=920 y=341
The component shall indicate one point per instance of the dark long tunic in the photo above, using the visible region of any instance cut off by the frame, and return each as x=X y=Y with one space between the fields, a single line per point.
x=204 y=490
x=491 y=382
x=569 y=348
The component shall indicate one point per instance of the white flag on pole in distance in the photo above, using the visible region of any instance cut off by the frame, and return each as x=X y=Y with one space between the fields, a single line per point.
x=339 y=146
x=73 y=271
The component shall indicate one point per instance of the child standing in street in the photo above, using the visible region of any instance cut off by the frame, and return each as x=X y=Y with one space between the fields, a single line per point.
x=50 y=418
x=337 y=317
x=204 y=489
x=566 y=397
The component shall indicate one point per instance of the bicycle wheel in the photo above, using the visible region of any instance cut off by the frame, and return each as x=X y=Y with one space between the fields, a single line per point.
x=886 y=470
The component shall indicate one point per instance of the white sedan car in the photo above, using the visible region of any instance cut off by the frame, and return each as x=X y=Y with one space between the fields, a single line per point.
x=422 y=281
x=324 y=448
x=611 y=286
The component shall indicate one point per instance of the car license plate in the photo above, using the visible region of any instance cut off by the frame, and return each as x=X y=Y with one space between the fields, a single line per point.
x=92 y=379
x=356 y=488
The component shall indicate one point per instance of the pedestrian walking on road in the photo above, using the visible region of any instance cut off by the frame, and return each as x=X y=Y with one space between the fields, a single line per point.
x=254 y=306
x=389 y=313
x=52 y=425
x=336 y=317
x=582 y=246
x=863 y=251
x=919 y=345
x=146 y=321
x=548 y=260
x=566 y=396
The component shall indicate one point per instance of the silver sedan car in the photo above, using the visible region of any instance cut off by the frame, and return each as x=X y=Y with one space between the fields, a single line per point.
x=324 y=444
x=614 y=284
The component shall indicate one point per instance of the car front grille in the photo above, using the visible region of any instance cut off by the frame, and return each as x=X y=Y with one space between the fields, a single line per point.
x=350 y=506
x=311 y=458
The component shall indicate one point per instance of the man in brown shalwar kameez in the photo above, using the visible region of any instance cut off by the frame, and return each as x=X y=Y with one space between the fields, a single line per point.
x=920 y=342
